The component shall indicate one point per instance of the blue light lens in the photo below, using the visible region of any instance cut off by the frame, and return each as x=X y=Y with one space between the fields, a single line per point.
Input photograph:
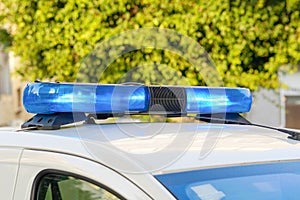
x=218 y=100
x=47 y=98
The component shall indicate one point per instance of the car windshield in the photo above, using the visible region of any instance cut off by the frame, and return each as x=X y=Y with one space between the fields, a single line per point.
x=278 y=180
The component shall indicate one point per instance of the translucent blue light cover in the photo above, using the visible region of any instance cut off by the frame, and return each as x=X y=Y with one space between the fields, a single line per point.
x=47 y=98
x=218 y=100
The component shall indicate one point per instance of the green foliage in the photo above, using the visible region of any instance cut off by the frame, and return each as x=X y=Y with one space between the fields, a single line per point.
x=247 y=40
x=5 y=38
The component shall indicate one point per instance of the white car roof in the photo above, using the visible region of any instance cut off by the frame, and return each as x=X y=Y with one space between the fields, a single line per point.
x=160 y=147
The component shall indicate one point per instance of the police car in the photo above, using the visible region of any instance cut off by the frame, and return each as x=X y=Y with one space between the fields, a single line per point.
x=85 y=142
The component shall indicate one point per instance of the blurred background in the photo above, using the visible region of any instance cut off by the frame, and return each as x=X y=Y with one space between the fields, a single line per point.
x=253 y=44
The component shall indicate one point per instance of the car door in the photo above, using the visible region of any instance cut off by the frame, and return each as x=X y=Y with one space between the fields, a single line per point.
x=45 y=175
x=9 y=159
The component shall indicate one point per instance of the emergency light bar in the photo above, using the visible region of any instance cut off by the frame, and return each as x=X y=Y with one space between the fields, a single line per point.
x=49 y=98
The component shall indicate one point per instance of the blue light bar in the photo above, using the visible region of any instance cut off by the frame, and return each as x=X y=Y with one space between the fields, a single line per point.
x=48 y=98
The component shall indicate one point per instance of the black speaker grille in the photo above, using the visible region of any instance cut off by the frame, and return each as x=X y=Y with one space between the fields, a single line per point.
x=167 y=99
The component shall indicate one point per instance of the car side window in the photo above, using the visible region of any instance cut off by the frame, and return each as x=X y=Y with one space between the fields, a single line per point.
x=64 y=187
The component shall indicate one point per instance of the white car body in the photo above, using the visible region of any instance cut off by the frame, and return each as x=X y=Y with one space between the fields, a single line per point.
x=126 y=157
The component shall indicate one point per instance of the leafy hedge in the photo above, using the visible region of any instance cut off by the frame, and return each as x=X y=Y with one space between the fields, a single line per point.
x=247 y=40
